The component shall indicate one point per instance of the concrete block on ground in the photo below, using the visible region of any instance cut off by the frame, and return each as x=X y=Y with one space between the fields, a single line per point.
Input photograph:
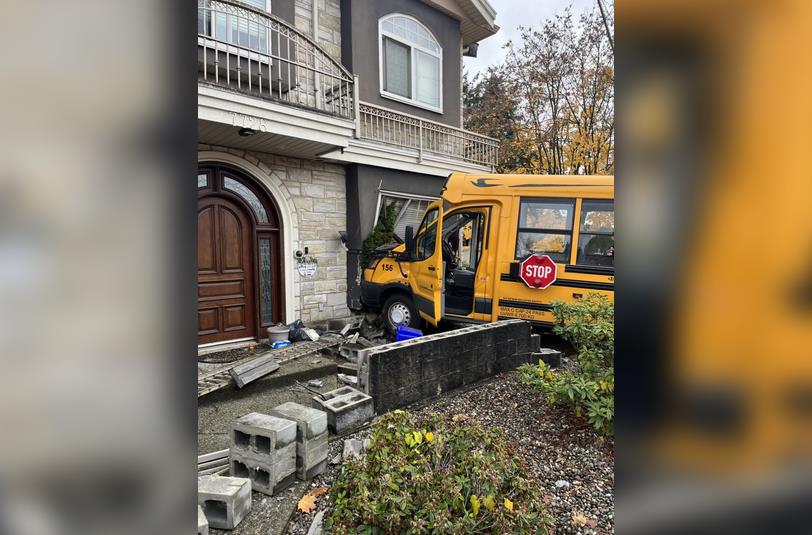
x=346 y=408
x=551 y=357
x=262 y=433
x=253 y=370
x=311 y=437
x=225 y=500
x=348 y=368
x=202 y=523
x=310 y=422
x=311 y=456
x=263 y=449
x=535 y=342
x=269 y=474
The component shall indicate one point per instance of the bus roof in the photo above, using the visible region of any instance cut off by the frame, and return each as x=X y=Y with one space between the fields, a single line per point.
x=460 y=185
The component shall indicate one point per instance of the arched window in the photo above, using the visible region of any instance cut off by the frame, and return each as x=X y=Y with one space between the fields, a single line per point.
x=410 y=62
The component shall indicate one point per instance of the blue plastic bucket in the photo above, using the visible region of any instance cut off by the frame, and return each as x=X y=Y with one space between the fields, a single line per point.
x=407 y=333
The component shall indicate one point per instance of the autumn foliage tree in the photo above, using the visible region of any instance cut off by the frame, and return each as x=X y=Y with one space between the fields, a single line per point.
x=551 y=102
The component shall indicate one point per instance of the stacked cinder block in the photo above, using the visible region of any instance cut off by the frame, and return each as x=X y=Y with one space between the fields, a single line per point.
x=346 y=408
x=202 y=523
x=401 y=373
x=263 y=449
x=225 y=500
x=311 y=437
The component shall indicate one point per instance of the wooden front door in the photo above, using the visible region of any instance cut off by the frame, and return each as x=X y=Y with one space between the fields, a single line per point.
x=225 y=275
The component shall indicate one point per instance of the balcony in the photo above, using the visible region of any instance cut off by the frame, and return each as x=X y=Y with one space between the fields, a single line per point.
x=302 y=102
x=427 y=139
x=255 y=53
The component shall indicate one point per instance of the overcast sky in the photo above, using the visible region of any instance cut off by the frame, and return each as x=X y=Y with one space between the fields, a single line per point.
x=510 y=14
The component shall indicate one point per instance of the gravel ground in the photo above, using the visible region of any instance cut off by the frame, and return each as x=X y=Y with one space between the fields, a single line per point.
x=573 y=465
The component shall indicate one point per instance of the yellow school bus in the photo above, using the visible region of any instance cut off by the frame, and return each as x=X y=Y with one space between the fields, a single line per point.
x=463 y=262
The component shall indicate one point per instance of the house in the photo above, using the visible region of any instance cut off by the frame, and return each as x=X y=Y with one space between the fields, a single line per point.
x=312 y=115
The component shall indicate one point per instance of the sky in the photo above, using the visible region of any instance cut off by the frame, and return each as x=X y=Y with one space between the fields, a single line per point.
x=510 y=14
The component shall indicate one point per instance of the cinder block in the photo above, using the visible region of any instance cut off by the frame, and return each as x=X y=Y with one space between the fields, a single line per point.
x=311 y=457
x=262 y=433
x=551 y=357
x=346 y=408
x=310 y=422
x=202 y=523
x=225 y=500
x=311 y=437
x=535 y=342
x=269 y=474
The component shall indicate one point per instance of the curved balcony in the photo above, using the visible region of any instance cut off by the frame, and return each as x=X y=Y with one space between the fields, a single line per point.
x=253 y=52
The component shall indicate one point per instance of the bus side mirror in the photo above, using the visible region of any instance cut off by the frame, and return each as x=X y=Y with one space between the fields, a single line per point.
x=409 y=242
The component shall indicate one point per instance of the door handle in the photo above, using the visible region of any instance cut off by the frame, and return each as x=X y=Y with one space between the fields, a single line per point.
x=432 y=268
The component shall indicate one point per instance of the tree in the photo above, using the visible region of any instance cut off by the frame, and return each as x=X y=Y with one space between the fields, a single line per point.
x=489 y=109
x=551 y=103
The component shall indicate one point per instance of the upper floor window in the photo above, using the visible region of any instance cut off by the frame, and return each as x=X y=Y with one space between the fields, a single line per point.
x=235 y=26
x=410 y=62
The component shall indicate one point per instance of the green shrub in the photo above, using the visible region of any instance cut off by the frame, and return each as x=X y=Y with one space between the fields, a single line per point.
x=588 y=324
x=591 y=396
x=436 y=475
x=383 y=232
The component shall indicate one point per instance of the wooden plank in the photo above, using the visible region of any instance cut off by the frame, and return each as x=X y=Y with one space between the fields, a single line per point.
x=253 y=370
x=210 y=471
x=212 y=464
x=212 y=456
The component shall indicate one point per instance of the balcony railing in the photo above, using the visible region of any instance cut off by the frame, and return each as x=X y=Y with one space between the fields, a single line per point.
x=426 y=137
x=254 y=52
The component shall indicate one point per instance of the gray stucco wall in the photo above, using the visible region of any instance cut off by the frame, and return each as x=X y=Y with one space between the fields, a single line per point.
x=359 y=52
x=363 y=184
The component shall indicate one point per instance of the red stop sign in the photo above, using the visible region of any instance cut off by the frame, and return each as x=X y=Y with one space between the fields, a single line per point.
x=537 y=271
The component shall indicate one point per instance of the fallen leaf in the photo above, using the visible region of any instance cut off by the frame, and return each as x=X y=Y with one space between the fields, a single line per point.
x=308 y=501
x=582 y=521
x=508 y=505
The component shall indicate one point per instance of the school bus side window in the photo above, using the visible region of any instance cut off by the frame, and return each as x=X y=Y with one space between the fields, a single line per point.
x=596 y=240
x=426 y=239
x=545 y=226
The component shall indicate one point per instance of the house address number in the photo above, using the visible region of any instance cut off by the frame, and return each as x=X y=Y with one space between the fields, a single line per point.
x=240 y=120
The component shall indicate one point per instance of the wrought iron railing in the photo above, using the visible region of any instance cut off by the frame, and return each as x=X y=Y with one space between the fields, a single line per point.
x=252 y=51
x=408 y=131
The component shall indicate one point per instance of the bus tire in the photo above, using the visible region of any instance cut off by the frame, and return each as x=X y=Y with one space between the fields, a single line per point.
x=399 y=309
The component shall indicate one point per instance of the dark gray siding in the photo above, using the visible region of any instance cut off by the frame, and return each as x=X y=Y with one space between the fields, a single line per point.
x=363 y=183
x=285 y=10
x=359 y=38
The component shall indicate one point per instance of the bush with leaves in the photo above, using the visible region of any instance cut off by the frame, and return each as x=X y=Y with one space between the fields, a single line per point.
x=436 y=475
x=589 y=325
x=383 y=232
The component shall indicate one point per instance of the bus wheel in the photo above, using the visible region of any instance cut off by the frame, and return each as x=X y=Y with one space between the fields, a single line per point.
x=399 y=309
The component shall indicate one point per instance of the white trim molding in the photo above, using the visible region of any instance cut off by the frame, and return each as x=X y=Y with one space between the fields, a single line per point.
x=227 y=107
x=390 y=157
x=284 y=201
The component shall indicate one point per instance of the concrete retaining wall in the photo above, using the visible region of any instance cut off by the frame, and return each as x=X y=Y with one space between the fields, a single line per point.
x=401 y=373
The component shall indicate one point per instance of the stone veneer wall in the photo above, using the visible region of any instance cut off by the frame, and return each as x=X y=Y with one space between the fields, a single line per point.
x=317 y=191
x=329 y=36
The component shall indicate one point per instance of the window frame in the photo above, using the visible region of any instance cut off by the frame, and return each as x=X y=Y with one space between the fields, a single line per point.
x=590 y=268
x=409 y=197
x=226 y=45
x=568 y=201
x=412 y=101
x=421 y=235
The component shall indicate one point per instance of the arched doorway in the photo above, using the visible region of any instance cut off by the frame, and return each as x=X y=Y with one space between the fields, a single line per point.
x=239 y=275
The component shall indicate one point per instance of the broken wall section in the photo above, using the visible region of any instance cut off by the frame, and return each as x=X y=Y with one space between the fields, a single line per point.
x=402 y=373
